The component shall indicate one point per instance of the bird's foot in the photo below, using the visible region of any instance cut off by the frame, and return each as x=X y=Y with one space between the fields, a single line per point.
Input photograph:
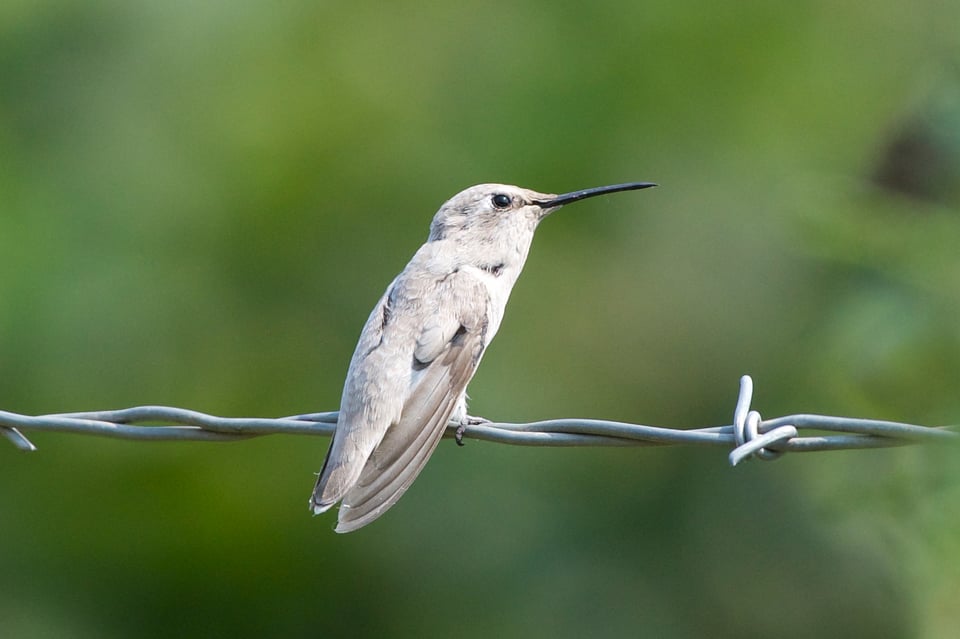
x=462 y=428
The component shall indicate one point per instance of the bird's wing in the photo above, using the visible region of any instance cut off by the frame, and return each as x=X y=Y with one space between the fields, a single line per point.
x=446 y=356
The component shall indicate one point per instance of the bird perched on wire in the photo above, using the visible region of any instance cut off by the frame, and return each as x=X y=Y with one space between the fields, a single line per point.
x=423 y=342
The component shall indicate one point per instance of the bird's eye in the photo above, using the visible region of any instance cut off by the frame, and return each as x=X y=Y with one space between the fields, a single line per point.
x=501 y=201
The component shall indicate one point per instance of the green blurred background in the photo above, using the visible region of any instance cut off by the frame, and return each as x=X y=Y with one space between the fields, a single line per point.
x=200 y=203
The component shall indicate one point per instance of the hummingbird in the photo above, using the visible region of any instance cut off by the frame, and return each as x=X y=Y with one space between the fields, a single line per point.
x=422 y=344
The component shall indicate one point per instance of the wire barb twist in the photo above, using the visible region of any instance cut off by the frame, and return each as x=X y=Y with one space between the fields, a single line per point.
x=748 y=436
x=746 y=430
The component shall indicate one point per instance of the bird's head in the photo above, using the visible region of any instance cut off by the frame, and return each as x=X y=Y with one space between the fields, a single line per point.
x=482 y=211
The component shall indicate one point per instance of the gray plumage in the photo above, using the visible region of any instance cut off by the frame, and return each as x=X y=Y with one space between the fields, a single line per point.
x=423 y=342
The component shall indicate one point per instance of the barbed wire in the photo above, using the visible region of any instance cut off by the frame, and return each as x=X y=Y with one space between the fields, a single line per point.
x=748 y=436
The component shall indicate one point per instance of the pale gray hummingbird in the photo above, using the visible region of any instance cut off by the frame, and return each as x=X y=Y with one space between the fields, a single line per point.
x=423 y=342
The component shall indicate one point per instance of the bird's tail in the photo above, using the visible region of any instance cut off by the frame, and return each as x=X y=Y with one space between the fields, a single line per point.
x=317 y=503
x=333 y=483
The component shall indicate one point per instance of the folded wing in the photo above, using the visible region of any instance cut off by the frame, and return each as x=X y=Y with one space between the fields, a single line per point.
x=445 y=358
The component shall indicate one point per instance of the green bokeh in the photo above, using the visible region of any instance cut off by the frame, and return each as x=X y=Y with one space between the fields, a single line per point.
x=200 y=202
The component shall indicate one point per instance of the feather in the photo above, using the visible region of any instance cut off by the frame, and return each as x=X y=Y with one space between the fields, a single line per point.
x=360 y=425
x=408 y=444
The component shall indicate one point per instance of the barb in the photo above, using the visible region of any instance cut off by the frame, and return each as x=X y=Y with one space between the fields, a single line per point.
x=748 y=436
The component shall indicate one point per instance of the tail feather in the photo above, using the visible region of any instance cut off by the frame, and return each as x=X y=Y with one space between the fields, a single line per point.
x=332 y=485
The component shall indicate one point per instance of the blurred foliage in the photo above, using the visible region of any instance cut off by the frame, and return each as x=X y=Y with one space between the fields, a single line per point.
x=202 y=201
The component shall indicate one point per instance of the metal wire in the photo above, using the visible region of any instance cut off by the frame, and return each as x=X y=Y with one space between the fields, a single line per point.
x=749 y=436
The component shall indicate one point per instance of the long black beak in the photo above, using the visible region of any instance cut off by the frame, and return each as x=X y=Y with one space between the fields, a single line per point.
x=573 y=196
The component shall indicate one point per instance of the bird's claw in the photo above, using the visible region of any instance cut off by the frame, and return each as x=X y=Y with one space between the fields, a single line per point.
x=462 y=428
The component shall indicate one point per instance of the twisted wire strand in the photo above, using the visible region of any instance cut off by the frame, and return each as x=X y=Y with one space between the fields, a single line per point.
x=749 y=436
